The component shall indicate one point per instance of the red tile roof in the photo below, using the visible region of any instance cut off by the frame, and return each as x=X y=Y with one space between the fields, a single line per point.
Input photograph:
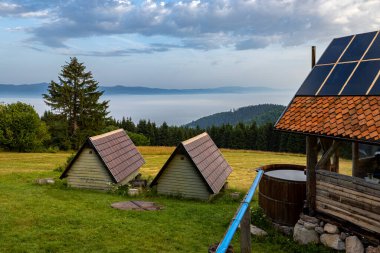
x=206 y=157
x=117 y=152
x=348 y=117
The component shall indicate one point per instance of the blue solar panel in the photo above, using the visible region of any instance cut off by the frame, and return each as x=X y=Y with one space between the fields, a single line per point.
x=376 y=88
x=358 y=46
x=337 y=79
x=350 y=50
x=334 y=50
x=374 y=50
x=362 y=78
x=314 y=80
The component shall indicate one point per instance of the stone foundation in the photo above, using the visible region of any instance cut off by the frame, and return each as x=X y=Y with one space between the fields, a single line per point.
x=311 y=230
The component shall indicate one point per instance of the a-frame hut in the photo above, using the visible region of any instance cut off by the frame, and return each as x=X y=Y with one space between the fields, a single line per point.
x=196 y=169
x=340 y=101
x=104 y=160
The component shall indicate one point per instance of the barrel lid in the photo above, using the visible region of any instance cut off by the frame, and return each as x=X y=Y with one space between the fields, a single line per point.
x=291 y=175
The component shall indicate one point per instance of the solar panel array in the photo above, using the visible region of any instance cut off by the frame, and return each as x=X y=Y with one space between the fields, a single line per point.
x=350 y=66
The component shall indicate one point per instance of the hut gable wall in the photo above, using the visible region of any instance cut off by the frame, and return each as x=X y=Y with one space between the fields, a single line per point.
x=88 y=172
x=181 y=178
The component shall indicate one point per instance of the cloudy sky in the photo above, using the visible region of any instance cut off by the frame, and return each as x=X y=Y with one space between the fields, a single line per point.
x=183 y=44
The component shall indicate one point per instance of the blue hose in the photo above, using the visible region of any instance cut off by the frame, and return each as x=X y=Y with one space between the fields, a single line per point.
x=223 y=246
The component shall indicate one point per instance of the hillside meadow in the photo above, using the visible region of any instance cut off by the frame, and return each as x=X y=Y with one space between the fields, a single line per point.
x=55 y=218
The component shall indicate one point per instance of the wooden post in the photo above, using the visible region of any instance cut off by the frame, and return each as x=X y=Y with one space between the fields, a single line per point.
x=355 y=159
x=326 y=143
x=335 y=165
x=245 y=232
x=311 y=160
x=325 y=159
x=311 y=163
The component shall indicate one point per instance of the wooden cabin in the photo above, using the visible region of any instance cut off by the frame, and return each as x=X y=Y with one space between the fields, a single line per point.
x=196 y=169
x=104 y=160
x=340 y=101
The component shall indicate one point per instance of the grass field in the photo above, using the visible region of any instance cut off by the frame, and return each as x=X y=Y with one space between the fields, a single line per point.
x=54 y=218
x=243 y=162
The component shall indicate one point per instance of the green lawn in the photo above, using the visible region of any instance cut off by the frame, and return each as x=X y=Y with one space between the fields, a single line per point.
x=54 y=218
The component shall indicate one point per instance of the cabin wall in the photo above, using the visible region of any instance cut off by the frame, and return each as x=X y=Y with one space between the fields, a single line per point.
x=180 y=178
x=349 y=198
x=88 y=172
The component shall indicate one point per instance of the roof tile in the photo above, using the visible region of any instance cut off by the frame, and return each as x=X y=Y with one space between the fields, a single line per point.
x=351 y=117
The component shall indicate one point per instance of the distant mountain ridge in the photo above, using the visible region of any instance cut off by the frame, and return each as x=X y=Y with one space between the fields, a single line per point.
x=39 y=88
x=261 y=114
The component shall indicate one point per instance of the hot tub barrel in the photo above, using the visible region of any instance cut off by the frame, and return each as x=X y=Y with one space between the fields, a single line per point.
x=282 y=192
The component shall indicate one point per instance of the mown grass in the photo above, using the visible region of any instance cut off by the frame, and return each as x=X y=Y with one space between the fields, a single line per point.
x=54 y=218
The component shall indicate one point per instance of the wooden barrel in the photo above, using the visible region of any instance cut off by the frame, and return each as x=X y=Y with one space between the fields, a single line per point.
x=282 y=191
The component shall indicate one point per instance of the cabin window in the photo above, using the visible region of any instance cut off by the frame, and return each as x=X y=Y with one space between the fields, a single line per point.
x=90 y=152
x=182 y=158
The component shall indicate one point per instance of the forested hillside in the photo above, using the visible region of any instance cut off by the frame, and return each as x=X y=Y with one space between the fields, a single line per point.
x=261 y=114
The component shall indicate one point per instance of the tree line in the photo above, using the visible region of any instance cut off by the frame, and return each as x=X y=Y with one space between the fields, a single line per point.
x=239 y=136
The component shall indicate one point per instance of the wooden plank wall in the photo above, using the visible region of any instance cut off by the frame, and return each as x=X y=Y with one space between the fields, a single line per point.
x=349 y=198
x=88 y=172
x=180 y=178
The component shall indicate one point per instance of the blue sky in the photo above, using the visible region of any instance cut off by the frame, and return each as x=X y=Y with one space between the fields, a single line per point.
x=181 y=44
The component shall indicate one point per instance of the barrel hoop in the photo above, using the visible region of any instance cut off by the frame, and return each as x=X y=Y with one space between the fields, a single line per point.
x=279 y=201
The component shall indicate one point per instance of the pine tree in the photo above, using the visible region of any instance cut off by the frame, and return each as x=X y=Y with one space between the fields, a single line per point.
x=76 y=98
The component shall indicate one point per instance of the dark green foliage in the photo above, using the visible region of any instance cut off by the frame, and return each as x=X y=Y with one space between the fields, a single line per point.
x=241 y=136
x=121 y=190
x=261 y=114
x=127 y=124
x=259 y=219
x=58 y=129
x=21 y=128
x=139 y=139
x=76 y=100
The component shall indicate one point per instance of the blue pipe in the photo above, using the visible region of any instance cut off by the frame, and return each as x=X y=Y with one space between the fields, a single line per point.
x=223 y=246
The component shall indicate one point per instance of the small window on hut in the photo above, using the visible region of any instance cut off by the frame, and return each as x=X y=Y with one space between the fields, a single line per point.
x=90 y=152
x=182 y=158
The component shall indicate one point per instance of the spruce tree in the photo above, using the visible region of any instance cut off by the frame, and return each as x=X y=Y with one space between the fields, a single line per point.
x=76 y=98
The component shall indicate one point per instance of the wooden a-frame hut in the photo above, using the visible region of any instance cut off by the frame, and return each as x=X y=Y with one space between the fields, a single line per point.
x=340 y=101
x=104 y=160
x=196 y=169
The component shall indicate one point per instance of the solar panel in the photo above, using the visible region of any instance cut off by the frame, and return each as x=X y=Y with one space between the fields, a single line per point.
x=358 y=47
x=374 y=50
x=362 y=79
x=337 y=79
x=376 y=87
x=334 y=50
x=349 y=66
x=314 y=80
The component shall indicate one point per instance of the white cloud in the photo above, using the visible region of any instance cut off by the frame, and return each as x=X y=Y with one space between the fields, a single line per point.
x=35 y=14
x=4 y=6
x=240 y=24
